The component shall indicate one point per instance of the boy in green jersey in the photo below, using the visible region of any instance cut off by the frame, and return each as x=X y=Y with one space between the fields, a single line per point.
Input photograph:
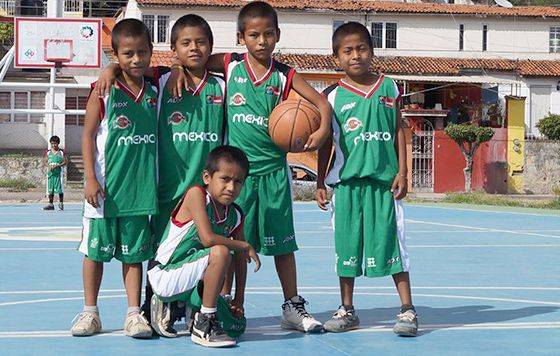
x=119 y=149
x=204 y=227
x=55 y=160
x=369 y=178
x=255 y=84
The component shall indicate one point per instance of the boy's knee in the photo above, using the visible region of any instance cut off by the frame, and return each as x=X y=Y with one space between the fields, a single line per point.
x=220 y=252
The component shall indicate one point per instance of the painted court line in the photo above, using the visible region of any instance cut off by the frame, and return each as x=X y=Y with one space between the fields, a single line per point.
x=445 y=246
x=485 y=211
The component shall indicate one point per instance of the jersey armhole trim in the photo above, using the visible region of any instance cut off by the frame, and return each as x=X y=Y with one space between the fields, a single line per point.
x=288 y=86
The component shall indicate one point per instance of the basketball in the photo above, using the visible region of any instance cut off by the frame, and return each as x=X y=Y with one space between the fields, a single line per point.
x=291 y=123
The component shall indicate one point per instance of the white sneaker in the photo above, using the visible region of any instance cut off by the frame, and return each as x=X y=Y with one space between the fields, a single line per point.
x=295 y=317
x=136 y=325
x=86 y=324
x=161 y=317
x=407 y=323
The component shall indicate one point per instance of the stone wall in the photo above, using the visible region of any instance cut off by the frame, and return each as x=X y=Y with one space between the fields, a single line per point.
x=542 y=166
x=30 y=167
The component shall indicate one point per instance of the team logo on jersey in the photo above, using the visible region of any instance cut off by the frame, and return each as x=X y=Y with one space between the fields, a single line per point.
x=122 y=122
x=240 y=80
x=176 y=118
x=152 y=102
x=387 y=102
x=237 y=100
x=347 y=107
x=272 y=90
x=214 y=99
x=175 y=100
x=351 y=262
x=352 y=124
x=372 y=136
x=120 y=105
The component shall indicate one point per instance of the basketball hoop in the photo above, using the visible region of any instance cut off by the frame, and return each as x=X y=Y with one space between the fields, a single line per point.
x=58 y=51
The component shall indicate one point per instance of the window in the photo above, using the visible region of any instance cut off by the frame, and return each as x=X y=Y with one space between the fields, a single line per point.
x=554 y=39
x=157 y=26
x=75 y=102
x=22 y=100
x=484 y=37
x=336 y=24
x=461 y=37
x=384 y=34
x=73 y=6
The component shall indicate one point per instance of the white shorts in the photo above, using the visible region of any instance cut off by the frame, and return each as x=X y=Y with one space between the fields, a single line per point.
x=172 y=282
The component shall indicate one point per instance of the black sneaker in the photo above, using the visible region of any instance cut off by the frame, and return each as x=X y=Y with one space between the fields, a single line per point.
x=60 y=206
x=207 y=331
x=48 y=207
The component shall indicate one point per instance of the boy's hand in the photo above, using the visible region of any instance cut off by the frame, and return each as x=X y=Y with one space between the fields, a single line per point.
x=91 y=190
x=177 y=82
x=237 y=308
x=252 y=255
x=316 y=140
x=399 y=187
x=321 y=197
x=106 y=79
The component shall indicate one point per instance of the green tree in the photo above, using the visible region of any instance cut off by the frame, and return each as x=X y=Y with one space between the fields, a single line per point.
x=469 y=138
x=550 y=127
x=6 y=32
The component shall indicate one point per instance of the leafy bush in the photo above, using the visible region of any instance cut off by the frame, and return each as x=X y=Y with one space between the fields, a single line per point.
x=17 y=184
x=550 y=127
x=469 y=133
x=6 y=32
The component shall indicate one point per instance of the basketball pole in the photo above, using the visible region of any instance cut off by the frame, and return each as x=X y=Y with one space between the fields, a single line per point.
x=54 y=9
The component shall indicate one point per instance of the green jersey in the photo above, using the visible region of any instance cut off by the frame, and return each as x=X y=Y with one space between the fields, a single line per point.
x=364 y=129
x=250 y=101
x=181 y=242
x=189 y=127
x=54 y=158
x=125 y=153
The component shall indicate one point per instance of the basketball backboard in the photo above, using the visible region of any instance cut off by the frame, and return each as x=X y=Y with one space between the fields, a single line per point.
x=50 y=42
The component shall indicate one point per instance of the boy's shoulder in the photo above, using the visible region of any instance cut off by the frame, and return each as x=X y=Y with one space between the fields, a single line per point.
x=330 y=89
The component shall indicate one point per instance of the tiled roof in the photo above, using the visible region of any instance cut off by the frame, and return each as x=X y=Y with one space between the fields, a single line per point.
x=405 y=65
x=373 y=6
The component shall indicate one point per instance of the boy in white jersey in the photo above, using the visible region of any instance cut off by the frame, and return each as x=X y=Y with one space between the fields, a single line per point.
x=119 y=150
x=369 y=179
x=196 y=245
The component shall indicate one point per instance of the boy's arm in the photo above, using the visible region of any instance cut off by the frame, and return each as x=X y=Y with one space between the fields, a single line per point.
x=64 y=160
x=400 y=185
x=303 y=88
x=322 y=165
x=91 y=186
x=108 y=77
x=178 y=79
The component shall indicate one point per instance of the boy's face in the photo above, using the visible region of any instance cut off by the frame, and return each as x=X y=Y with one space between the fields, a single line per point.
x=225 y=184
x=354 y=55
x=260 y=37
x=134 y=55
x=54 y=145
x=192 y=48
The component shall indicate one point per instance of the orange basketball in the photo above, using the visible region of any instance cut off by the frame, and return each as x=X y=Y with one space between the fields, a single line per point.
x=291 y=123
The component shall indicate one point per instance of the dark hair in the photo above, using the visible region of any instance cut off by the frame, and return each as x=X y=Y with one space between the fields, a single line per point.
x=255 y=9
x=228 y=153
x=350 y=28
x=129 y=28
x=55 y=139
x=191 y=20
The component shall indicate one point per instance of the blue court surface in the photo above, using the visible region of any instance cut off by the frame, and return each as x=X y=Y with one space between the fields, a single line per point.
x=485 y=280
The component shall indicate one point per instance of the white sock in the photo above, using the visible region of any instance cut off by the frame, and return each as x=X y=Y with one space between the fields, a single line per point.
x=133 y=310
x=91 y=309
x=205 y=310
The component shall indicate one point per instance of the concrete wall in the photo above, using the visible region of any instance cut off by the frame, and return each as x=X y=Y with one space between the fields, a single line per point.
x=23 y=136
x=31 y=168
x=542 y=168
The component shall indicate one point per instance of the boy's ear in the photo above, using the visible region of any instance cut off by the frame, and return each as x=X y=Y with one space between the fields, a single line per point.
x=277 y=35
x=240 y=38
x=206 y=177
x=336 y=60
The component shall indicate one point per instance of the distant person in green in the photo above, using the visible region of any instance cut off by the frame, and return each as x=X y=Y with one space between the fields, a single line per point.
x=55 y=160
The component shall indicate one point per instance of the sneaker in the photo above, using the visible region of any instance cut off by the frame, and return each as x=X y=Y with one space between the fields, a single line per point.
x=407 y=323
x=86 y=324
x=137 y=326
x=161 y=318
x=207 y=331
x=189 y=318
x=342 y=320
x=295 y=317
x=48 y=207
x=60 y=206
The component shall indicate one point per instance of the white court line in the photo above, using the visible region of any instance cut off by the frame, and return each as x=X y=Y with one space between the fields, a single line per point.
x=264 y=330
x=416 y=295
x=38 y=228
x=484 y=211
x=481 y=228
x=36 y=248
x=37 y=238
x=444 y=246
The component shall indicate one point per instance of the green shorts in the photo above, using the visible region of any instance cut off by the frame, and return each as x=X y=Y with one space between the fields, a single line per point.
x=266 y=201
x=55 y=185
x=128 y=239
x=159 y=221
x=368 y=225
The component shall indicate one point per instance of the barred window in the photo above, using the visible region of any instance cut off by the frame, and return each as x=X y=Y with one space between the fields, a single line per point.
x=22 y=100
x=163 y=25
x=554 y=38
x=75 y=102
x=377 y=34
x=148 y=20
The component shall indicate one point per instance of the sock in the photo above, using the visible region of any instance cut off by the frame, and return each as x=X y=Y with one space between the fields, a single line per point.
x=133 y=310
x=91 y=309
x=51 y=199
x=61 y=197
x=406 y=307
x=295 y=299
x=205 y=310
